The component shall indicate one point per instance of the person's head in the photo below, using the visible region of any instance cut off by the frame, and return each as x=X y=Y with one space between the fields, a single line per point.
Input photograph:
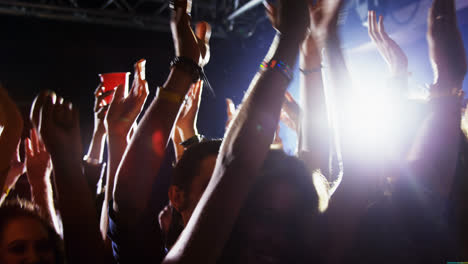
x=191 y=176
x=26 y=237
x=282 y=207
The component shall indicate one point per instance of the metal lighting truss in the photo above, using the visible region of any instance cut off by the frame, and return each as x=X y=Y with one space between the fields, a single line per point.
x=143 y=14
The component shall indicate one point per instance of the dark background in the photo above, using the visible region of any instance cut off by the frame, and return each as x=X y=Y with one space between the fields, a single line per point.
x=37 y=54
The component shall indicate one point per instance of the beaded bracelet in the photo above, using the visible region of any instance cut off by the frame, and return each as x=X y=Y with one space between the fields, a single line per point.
x=281 y=66
x=169 y=96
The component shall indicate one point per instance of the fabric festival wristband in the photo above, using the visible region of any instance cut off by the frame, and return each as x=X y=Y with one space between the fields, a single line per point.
x=279 y=65
x=191 y=67
x=188 y=65
x=169 y=96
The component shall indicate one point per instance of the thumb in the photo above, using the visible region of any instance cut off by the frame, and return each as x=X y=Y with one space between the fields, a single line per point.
x=271 y=12
x=119 y=93
x=231 y=108
x=28 y=147
x=203 y=31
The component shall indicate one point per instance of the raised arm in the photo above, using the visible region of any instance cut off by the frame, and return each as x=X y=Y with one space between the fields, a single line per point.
x=434 y=154
x=315 y=133
x=59 y=129
x=393 y=55
x=145 y=153
x=121 y=115
x=39 y=170
x=93 y=160
x=11 y=124
x=239 y=163
x=186 y=124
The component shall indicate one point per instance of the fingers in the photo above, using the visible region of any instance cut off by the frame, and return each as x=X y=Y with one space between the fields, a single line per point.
x=289 y=97
x=140 y=85
x=180 y=10
x=100 y=102
x=119 y=94
x=101 y=112
x=69 y=117
x=270 y=12
x=99 y=90
x=198 y=91
x=34 y=141
x=140 y=69
x=36 y=108
x=46 y=111
x=28 y=149
x=231 y=107
x=203 y=31
x=372 y=26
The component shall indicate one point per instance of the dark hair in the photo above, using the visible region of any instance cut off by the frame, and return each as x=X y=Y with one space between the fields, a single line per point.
x=279 y=166
x=189 y=164
x=18 y=208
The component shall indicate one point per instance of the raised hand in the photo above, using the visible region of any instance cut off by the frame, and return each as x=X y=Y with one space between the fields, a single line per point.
x=17 y=168
x=388 y=48
x=446 y=49
x=124 y=110
x=324 y=16
x=187 y=121
x=187 y=43
x=38 y=164
x=60 y=129
x=100 y=109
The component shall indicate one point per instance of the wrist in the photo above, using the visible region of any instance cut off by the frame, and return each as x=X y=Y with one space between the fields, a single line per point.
x=186 y=132
x=287 y=50
x=178 y=82
x=99 y=132
x=40 y=185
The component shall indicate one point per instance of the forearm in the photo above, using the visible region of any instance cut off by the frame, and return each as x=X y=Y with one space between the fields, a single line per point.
x=80 y=221
x=9 y=139
x=180 y=135
x=42 y=195
x=314 y=134
x=339 y=78
x=96 y=147
x=116 y=148
x=144 y=155
x=433 y=156
x=94 y=160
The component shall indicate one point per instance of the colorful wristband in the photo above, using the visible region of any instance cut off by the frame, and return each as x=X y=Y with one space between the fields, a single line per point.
x=279 y=65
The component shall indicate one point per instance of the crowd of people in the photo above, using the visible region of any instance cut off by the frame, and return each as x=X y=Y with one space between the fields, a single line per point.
x=242 y=199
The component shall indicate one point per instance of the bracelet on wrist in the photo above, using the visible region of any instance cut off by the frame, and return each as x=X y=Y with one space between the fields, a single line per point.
x=191 y=67
x=280 y=66
x=193 y=140
x=188 y=65
x=169 y=96
x=91 y=161
x=310 y=71
x=437 y=92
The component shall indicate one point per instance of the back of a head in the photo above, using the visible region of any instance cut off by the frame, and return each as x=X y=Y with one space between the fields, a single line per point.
x=189 y=164
x=277 y=218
